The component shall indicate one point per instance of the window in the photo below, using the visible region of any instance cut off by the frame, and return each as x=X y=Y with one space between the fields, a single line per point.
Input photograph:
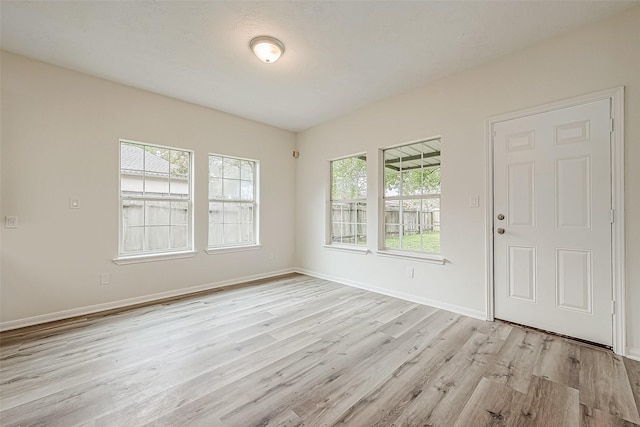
x=233 y=208
x=349 y=200
x=412 y=197
x=155 y=199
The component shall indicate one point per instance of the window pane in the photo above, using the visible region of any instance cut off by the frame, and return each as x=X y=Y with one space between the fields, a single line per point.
x=246 y=170
x=231 y=213
x=179 y=213
x=132 y=238
x=246 y=233
x=348 y=183
x=232 y=180
x=215 y=166
x=392 y=236
x=179 y=185
x=132 y=213
x=151 y=225
x=336 y=232
x=157 y=213
x=157 y=161
x=431 y=179
x=231 y=189
x=179 y=237
x=231 y=233
x=131 y=158
x=411 y=182
x=179 y=188
x=215 y=188
x=392 y=212
x=215 y=213
x=362 y=234
x=156 y=238
x=348 y=233
x=179 y=164
x=215 y=234
x=155 y=185
x=231 y=168
x=431 y=225
x=410 y=171
x=246 y=214
x=246 y=190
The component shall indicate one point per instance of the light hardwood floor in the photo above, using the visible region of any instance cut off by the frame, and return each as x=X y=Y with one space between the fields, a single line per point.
x=302 y=351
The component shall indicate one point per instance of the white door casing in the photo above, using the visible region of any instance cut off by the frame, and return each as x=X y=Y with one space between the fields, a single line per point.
x=552 y=182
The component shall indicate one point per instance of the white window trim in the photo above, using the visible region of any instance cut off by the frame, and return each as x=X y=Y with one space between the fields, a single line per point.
x=230 y=249
x=420 y=256
x=125 y=258
x=436 y=258
x=234 y=247
x=341 y=246
x=137 y=259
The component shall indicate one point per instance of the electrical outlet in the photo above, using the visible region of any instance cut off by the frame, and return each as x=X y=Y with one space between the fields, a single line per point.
x=410 y=272
x=105 y=279
x=74 y=204
x=10 y=222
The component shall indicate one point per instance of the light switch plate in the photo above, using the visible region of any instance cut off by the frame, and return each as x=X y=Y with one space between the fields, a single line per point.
x=474 y=201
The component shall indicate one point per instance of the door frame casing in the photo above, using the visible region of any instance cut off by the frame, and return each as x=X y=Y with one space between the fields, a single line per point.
x=616 y=95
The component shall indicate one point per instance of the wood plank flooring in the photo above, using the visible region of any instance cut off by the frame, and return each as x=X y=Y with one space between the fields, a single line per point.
x=299 y=351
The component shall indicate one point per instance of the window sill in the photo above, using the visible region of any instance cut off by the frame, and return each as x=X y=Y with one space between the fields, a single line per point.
x=352 y=249
x=432 y=258
x=136 y=259
x=231 y=249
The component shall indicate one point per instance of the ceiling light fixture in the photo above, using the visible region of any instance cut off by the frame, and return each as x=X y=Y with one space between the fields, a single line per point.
x=267 y=49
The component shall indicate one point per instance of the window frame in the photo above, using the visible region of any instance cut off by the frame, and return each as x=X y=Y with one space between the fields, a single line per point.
x=383 y=250
x=356 y=247
x=236 y=246
x=153 y=255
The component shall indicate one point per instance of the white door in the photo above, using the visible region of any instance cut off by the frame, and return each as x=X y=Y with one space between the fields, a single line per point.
x=552 y=248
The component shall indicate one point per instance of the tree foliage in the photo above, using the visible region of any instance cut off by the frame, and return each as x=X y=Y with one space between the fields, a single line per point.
x=414 y=181
x=349 y=178
x=178 y=160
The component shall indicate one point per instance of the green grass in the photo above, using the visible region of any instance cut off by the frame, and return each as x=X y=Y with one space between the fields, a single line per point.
x=430 y=242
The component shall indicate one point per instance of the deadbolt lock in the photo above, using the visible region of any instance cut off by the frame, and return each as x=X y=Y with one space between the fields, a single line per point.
x=500 y=230
x=500 y=217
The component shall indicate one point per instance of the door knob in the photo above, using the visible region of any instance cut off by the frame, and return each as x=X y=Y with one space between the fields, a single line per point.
x=500 y=217
x=500 y=230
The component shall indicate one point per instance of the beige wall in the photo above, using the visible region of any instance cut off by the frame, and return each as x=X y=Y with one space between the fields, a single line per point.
x=59 y=139
x=60 y=132
x=598 y=56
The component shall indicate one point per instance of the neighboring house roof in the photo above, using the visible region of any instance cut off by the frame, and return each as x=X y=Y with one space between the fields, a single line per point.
x=133 y=162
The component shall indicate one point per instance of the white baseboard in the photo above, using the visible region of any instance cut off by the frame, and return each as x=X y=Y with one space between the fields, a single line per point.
x=477 y=314
x=633 y=353
x=82 y=311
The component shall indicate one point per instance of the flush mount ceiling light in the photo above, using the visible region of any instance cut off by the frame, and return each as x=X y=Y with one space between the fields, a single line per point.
x=267 y=49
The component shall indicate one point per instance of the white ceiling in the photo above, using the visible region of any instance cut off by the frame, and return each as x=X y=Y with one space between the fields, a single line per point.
x=339 y=55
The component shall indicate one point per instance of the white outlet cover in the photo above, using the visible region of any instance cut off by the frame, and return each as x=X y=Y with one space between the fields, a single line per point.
x=11 y=222
x=74 y=204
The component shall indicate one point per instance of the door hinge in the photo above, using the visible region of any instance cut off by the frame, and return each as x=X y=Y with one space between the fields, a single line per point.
x=611 y=216
x=610 y=125
x=613 y=307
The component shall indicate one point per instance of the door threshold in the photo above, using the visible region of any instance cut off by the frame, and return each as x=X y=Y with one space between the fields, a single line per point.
x=579 y=340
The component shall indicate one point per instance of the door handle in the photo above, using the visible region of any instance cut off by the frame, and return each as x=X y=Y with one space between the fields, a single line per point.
x=500 y=230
